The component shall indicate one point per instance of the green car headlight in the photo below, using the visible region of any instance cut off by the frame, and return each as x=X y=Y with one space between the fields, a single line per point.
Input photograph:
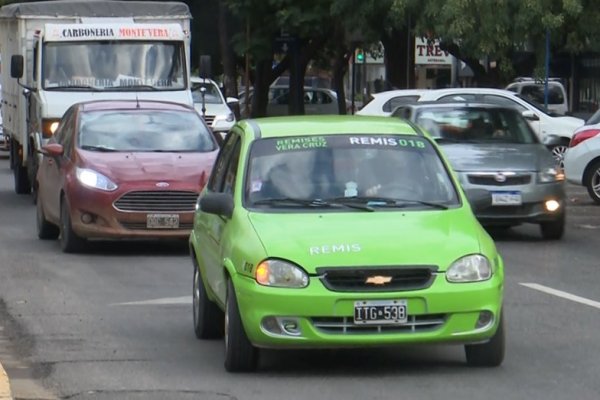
x=472 y=268
x=279 y=273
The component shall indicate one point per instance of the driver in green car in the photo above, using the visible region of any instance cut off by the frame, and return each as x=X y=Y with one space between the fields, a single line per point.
x=341 y=231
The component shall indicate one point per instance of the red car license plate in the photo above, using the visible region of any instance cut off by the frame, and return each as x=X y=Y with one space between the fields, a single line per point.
x=162 y=221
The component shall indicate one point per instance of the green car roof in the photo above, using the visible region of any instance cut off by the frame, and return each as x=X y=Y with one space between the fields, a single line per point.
x=328 y=124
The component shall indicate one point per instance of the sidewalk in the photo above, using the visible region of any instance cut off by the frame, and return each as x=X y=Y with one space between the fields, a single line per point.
x=4 y=385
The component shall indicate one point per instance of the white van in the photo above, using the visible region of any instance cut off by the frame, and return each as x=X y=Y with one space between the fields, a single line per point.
x=534 y=90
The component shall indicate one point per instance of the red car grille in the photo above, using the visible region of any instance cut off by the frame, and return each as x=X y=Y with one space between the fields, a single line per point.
x=157 y=201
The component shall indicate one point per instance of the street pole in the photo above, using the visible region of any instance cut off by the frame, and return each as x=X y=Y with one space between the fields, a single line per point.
x=352 y=89
x=546 y=68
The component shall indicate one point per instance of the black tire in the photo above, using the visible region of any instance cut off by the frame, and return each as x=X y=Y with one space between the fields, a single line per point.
x=45 y=229
x=32 y=167
x=209 y=320
x=240 y=354
x=70 y=242
x=592 y=181
x=489 y=354
x=553 y=230
x=22 y=184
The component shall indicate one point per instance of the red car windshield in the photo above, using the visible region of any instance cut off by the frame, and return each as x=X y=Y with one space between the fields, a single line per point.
x=144 y=130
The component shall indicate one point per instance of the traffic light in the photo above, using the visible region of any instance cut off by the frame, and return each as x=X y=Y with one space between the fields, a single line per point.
x=360 y=55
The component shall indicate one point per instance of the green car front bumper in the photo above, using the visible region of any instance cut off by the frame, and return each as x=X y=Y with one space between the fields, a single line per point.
x=316 y=317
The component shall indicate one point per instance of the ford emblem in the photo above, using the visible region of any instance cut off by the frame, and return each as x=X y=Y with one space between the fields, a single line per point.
x=162 y=184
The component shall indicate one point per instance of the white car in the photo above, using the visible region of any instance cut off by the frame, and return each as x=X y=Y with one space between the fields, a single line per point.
x=554 y=131
x=384 y=103
x=534 y=90
x=216 y=113
x=582 y=160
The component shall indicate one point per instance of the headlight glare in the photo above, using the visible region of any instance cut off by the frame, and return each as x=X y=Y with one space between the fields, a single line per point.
x=551 y=175
x=90 y=178
x=472 y=268
x=279 y=273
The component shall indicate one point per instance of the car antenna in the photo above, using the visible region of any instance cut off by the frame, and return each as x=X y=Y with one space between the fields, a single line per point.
x=137 y=101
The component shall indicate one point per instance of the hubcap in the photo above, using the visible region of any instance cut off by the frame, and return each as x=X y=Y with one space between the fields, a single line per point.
x=558 y=152
x=596 y=183
x=196 y=296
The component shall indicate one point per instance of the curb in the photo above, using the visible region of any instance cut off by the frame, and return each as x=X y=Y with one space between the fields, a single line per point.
x=5 y=393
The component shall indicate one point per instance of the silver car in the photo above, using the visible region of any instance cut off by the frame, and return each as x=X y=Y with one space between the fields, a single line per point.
x=494 y=148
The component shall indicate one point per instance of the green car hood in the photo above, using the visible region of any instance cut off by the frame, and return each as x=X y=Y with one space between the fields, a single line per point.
x=377 y=238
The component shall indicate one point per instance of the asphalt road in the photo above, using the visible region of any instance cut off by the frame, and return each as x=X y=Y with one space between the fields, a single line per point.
x=116 y=323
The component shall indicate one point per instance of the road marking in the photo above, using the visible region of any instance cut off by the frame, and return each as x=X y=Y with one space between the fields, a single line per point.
x=564 y=295
x=159 y=302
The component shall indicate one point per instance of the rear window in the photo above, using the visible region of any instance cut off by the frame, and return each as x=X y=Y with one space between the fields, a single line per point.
x=393 y=103
x=536 y=93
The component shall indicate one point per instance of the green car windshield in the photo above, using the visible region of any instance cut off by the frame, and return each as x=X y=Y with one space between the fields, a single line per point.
x=379 y=170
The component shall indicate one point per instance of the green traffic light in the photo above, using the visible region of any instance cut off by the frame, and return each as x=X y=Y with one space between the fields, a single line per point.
x=360 y=56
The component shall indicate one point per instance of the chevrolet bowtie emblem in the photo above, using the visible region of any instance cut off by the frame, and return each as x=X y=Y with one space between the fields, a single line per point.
x=378 y=280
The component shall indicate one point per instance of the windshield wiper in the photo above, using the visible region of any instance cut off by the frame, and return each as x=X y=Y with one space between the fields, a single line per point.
x=386 y=201
x=97 y=148
x=137 y=87
x=75 y=87
x=311 y=203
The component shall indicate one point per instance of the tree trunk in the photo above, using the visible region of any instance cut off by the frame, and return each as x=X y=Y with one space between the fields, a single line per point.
x=262 y=80
x=227 y=53
x=399 y=56
x=340 y=68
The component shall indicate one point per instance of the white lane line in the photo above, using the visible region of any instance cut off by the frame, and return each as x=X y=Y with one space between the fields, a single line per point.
x=564 y=295
x=163 y=301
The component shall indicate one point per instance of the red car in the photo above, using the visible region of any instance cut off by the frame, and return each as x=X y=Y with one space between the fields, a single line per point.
x=123 y=169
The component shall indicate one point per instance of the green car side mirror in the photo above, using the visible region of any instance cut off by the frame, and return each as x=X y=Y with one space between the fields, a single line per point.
x=217 y=203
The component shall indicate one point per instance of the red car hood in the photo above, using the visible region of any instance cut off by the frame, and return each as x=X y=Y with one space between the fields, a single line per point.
x=146 y=166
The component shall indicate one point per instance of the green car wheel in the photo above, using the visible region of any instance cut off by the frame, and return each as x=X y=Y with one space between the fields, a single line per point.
x=489 y=354
x=240 y=355
x=208 y=318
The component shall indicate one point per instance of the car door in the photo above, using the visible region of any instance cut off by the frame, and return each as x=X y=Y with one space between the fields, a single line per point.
x=211 y=228
x=52 y=174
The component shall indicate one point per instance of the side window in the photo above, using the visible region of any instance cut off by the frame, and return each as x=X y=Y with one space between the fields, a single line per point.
x=68 y=131
x=503 y=101
x=218 y=172
x=395 y=102
x=35 y=58
x=232 y=168
x=58 y=136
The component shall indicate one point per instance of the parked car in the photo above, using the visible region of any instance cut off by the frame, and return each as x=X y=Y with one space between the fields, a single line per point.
x=317 y=101
x=582 y=160
x=534 y=90
x=554 y=131
x=123 y=169
x=493 y=148
x=217 y=113
x=326 y=226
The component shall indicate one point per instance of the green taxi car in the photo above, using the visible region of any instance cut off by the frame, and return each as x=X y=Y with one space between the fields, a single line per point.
x=341 y=231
